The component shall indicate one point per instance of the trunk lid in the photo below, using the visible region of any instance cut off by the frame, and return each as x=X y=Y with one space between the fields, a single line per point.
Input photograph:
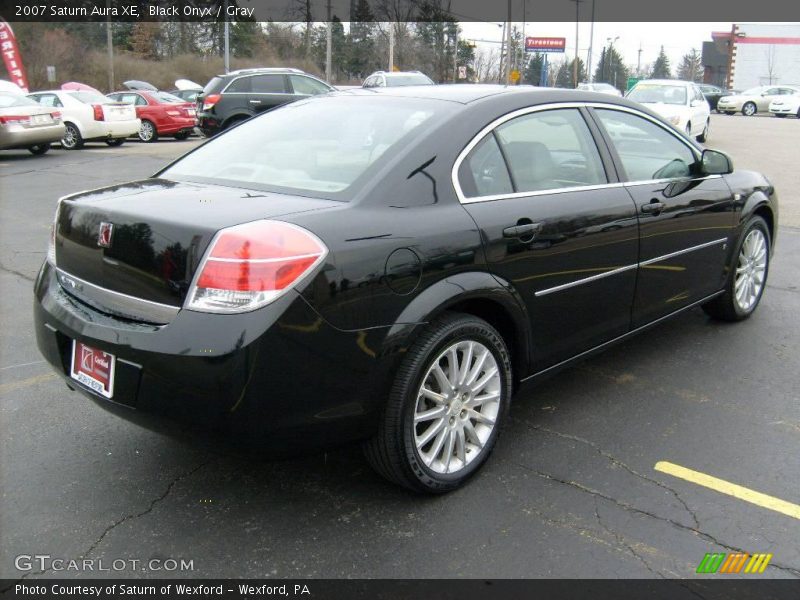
x=160 y=232
x=118 y=111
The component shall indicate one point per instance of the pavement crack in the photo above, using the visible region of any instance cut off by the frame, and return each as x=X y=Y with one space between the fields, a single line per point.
x=630 y=508
x=622 y=542
x=129 y=517
x=614 y=460
x=5 y=269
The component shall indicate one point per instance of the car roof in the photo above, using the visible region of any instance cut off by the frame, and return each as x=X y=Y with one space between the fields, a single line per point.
x=256 y=70
x=666 y=82
x=469 y=93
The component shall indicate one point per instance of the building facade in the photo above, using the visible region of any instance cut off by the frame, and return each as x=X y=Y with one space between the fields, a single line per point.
x=753 y=54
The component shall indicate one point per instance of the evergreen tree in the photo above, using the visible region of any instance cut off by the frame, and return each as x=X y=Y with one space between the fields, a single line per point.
x=611 y=69
x=661 y=68
x=564 y=77
x=690 y=68
x=533 y=70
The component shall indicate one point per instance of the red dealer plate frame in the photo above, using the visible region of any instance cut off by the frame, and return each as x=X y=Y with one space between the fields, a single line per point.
x=93 y=368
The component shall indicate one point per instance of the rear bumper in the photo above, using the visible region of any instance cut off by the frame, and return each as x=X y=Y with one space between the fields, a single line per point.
x=102 y=130
x=279 y=378
x=20 y=137
x=177 y=125
x=208 y=124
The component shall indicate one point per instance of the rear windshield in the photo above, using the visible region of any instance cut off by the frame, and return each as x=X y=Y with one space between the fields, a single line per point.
x=167 y=97
x=320 y=146
x=213 y=85
x=90 y=97
x=8 y=100
x=411 y=79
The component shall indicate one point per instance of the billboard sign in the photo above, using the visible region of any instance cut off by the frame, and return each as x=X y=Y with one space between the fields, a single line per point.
x=545 y=44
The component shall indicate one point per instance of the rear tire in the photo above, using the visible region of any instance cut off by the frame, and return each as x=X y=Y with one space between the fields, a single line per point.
x=72 y=140
x=181 y=136
x=747 y=277
x=39 y=149
x=115 y=142
x=446 y=406
x=148 y=132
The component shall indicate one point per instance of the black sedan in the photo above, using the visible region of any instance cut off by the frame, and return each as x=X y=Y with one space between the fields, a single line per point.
x=390 y=266
x=712 y=94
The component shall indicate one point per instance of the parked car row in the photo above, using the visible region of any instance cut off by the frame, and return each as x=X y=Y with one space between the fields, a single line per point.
x=761 y=99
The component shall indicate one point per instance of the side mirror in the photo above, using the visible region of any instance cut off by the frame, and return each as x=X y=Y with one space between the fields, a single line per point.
x=696 y=103
x=714 y=162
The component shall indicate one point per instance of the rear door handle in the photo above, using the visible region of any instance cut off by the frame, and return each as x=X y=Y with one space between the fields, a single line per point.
x=654 y=207
x=522 y=230
x=255 y=101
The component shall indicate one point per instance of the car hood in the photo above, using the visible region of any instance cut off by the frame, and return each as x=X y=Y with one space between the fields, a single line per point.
x=665 y=110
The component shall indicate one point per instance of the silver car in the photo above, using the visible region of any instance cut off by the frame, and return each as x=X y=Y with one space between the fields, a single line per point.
x=24 y=123
x=754 y=100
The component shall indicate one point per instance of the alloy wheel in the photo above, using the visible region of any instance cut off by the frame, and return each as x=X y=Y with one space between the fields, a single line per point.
x=751 y=270
x=457 y=406
x=146 y=131
x=749 y=109
x=70 y=139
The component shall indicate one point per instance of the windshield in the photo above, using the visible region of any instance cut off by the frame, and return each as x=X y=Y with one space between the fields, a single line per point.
x=658 y=94
x=89 y=97
x=167 y=97
x=8 y=100
x=320 y=145
x=410 y=79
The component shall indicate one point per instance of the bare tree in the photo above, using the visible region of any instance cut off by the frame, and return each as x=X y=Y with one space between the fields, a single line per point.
x=770 y=56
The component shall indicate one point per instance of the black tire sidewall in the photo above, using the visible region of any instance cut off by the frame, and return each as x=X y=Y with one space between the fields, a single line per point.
x=755 y=222
x=467 y=328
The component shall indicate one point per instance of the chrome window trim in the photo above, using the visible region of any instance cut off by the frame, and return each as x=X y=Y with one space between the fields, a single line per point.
x=554 y=106
x=619 y=270
x=237 y=78
x=117 y=303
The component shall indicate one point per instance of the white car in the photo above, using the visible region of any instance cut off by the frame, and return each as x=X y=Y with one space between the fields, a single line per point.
x=602 y=88
x=755 y=99
x=786 y=105
x=681 y=103
x=89 y=116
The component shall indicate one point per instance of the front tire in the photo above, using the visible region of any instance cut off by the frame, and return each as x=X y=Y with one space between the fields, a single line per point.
x=446 y=406
x=39 y=149
x=780 y=116
x=749 y=109
x=704 y=136
x=115 y=142
x=147 y=131
x=748 y=277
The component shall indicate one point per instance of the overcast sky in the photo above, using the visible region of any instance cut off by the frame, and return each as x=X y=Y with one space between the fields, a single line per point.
x=677 y=38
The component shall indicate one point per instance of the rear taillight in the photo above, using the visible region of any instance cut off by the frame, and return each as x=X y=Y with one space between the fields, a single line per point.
x=15 y=120
x=98 y=112
x=51 y=247
x=56 y=115
x=173 y=113
x=210 y=101
x=250 y=265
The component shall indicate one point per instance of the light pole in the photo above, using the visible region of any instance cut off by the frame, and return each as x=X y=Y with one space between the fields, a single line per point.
x=590 y=73
x=577 y=31
x=611 y=57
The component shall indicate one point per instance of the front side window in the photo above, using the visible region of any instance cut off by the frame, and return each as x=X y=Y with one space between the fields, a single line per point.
x=646 y=150
x=550 y=149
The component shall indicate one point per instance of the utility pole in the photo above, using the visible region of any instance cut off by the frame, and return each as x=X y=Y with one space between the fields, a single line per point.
x=328 y=45
x=591 y=43
x=639 y=61
x=577 y=30
x=391 y=46
x=522 y=55
x=508 y=46
x=227 y=40
x=502 y=50
x=110 y=44
x=455 y=54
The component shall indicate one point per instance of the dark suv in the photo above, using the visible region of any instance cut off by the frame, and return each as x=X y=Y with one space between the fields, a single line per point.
x=233 y=97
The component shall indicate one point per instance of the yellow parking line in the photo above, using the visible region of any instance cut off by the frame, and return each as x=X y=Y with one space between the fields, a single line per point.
x=15 y=385
x=731 y=489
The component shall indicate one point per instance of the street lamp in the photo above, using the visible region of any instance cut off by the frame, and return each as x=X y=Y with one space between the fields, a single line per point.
x=611 y=57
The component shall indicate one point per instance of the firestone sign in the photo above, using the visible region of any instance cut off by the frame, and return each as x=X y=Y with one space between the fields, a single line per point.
x=11 y=58
x=545 y=44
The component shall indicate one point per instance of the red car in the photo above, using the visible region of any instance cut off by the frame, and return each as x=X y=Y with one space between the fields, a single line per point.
x=161 y=114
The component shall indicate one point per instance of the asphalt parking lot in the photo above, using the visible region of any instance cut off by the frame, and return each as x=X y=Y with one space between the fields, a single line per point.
x=571 y=490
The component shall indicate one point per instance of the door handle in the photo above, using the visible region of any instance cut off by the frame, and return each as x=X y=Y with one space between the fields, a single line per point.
x=654 y=207
x=255 y=101
x=522 y=230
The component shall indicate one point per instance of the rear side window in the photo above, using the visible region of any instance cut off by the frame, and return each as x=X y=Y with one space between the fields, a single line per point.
x=213 y=86
x=549 y=150
x=484 y=171
x=646 y=150
x=239 y=86
x=50 y=100
x=268 y=84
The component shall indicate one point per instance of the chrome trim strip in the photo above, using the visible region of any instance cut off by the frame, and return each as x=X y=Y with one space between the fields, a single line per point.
x=565 y=286
x=553 y=106
x=650 y=261
x=116 y=303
